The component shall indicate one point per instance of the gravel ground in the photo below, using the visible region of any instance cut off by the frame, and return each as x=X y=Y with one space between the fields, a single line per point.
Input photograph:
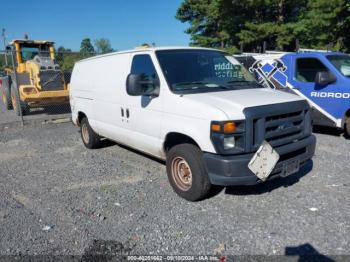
x=57 y=197
x=36 y=114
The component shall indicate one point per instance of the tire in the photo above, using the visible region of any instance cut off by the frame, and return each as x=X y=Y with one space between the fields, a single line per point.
x=90 y=139
x=347 y=127
x=187 y=173
x=20 y=107
x=6 y=97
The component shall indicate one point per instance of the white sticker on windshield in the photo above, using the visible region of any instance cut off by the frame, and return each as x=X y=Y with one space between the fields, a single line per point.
x=211 y=85
x=232 y=60
x=345 y=70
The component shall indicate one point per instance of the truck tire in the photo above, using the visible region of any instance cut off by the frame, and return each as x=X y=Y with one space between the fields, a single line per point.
x=347 y=127
x=20 y=107
x=6 y=97
x=187 y=173
x=90 y=139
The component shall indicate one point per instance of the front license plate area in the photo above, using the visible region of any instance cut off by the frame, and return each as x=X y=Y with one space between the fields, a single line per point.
x=264 y=161
x=291 y=168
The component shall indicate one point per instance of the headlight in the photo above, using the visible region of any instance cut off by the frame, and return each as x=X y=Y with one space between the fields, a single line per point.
x=229 y=142
x=228 y=137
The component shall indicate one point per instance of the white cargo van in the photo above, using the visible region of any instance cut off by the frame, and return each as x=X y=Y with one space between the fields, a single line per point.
x=196 y=108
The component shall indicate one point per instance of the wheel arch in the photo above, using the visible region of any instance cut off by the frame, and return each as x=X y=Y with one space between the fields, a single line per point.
x=346 y=115
x=175 y=138
x=81 y=115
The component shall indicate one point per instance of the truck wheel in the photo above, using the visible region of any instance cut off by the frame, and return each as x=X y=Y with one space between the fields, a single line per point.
x=90 y=138
x=187 y=173
x=347 y=127
x=20 y=107
x=6 y=98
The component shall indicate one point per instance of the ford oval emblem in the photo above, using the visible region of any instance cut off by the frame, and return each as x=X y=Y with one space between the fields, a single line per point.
x=285 y=126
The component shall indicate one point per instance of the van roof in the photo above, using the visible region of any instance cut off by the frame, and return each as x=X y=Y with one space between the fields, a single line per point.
x=150 y=49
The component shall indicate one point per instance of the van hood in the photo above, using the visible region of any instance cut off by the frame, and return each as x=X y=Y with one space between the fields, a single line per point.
x=233 y=102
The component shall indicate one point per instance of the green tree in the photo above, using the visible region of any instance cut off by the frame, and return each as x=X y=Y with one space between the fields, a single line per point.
x=2 y=63
x=103 y=45
x=62 y=49
x=206 y=27
x=61 y=52
x=86 y=48
x=326 y=24
x=69 y=60
x=228 y=24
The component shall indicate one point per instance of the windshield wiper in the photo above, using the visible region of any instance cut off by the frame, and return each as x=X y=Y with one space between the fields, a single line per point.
x=205 y=84
x=239 y=81
x=190 y=83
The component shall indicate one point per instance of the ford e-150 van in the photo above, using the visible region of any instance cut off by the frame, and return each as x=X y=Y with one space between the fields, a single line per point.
x=198 y=109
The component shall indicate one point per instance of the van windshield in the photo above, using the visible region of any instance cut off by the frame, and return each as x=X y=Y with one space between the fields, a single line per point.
x=197 y=71
x=342 y=63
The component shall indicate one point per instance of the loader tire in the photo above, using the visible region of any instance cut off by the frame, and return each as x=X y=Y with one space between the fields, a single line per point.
x=6 y=97
x=20 y=107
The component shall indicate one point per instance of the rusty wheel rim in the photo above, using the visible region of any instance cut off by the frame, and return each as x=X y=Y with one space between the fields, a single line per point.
x=181 y=173
x=85 y=133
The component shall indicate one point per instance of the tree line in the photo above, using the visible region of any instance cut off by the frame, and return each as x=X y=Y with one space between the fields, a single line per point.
x=253 y=25
x=66 y=58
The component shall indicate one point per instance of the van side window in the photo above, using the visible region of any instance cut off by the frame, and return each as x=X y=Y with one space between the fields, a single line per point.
x=143 y=65
x=307 y=68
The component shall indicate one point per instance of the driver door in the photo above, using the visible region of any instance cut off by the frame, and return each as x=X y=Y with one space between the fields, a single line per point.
x=320 y=97
x=143 y=114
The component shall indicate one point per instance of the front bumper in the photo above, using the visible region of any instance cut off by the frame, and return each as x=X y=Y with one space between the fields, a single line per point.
x=233 y=170
x=45 y=97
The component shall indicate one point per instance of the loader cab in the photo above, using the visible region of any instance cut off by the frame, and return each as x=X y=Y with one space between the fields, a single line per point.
x=26 y=50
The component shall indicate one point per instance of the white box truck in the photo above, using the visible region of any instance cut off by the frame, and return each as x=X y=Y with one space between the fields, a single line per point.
x=196 y=108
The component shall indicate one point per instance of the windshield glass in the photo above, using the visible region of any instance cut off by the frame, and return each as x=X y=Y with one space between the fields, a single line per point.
x=30 y=51
x=341 y=62
x=193 y=71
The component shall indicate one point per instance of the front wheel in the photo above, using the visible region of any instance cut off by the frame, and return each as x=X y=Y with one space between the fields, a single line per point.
x=90 y=138
x=187 y=173
x=20 y=107
x=6 y=97
x=347 y=127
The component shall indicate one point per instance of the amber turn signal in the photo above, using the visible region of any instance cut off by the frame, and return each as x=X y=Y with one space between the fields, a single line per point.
x=226 y=127
x=229 y=127
x=216 y=127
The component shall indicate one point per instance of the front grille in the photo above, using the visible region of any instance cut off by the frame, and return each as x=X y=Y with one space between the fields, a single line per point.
x=279 y=129
x=278 y=124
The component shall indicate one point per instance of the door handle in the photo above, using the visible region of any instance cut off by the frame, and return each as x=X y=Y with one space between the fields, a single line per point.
x=127 y=113
x=122 y=111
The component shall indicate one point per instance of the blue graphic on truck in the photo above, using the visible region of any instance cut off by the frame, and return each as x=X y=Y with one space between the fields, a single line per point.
x=270 y=72
x=321 y=77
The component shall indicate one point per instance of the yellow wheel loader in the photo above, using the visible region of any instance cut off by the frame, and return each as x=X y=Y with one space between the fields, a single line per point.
x=36 y=80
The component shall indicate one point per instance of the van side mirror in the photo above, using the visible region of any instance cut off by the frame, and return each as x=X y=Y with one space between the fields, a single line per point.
x=325 y=78
x=137 y=86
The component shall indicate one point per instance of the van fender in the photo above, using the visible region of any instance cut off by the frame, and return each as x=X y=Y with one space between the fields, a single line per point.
x=198 y=130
